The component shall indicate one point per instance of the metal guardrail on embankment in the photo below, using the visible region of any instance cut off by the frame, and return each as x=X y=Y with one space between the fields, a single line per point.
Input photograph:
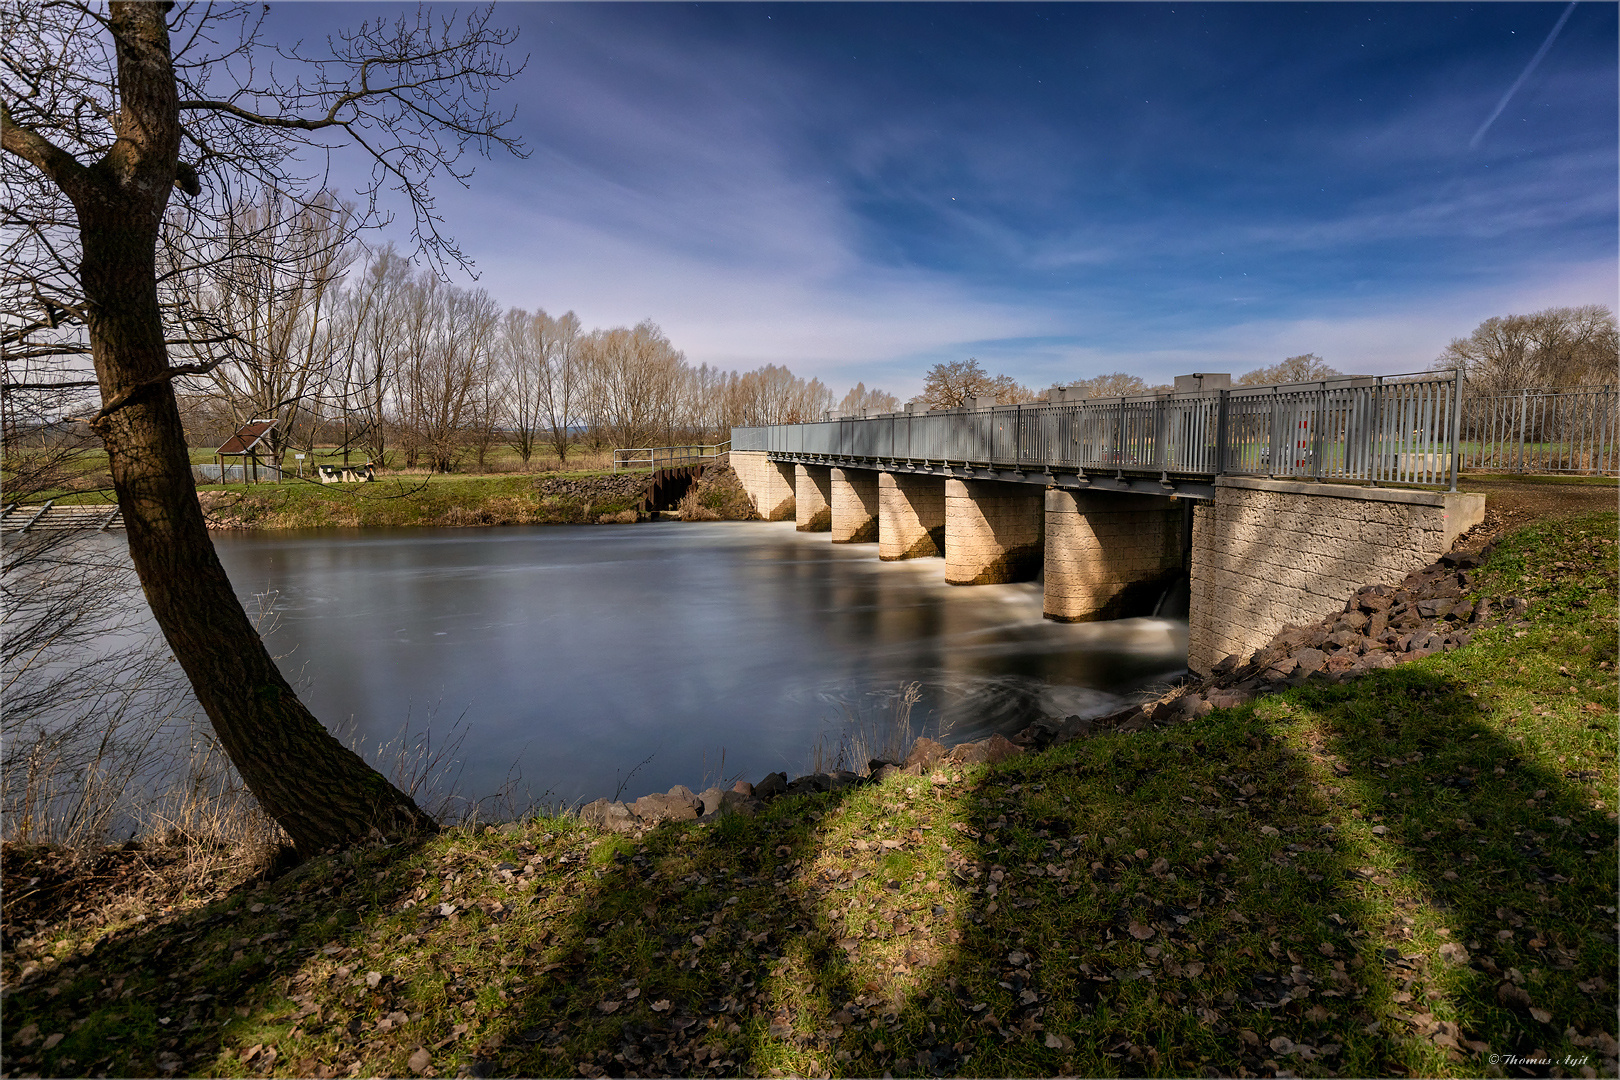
x=1396 y=429
x=666 y=457
x=51 y=517
x=1539 y=430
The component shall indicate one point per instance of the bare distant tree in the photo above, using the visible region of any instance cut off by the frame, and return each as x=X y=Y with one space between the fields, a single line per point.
x=266 y=287
x=1558 y=347
x=634 y=383
x=1307 y=367
x=446 y=359
x=545 y=379
x=874 y=400
x=1009 y=391
x=101 y=120
x=948 y=386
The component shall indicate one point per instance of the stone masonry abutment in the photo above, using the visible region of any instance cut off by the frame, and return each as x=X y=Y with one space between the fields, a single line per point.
x=1107 y=551
x=1269 y=553
x=812 y=498
x=993 y=531
x=854 y=506
x=911 y=516
x=769 y=484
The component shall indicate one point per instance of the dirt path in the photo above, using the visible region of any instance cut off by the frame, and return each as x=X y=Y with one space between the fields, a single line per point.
x=1512 y=500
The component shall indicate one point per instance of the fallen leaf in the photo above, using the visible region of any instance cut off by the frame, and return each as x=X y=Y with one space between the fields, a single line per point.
x=1249 y=1037
x=609 y=1006
x=28 y=1036
x=1267 y=830
x=1535 y=1014
x=373 y=978
x=1141 y=931
x=420 y=1061
x=52 y=1039
x=1058 y=1042
x=1316 y=1014
x=1454 y=953
x=1281 y=1045
x=781 y=1031
x=661 y=1006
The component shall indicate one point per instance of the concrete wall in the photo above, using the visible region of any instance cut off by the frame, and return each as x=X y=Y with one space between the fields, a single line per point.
x=768 y=484
x=854 y=506
x=911 y=516
x=992 y=531
x=1108 y=551
x=812 y=498
x=1270 y=553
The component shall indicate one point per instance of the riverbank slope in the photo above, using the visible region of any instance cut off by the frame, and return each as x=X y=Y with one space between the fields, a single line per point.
x=1412 y=872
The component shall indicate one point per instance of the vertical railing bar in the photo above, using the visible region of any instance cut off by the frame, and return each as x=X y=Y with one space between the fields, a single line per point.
x=1456 y=423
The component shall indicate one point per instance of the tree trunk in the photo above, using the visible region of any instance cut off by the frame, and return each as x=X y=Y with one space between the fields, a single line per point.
x=322 y=793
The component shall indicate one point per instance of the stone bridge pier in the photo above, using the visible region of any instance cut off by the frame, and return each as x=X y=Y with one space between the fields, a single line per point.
x=855 y=506
x=993 y=532
x=1110 y=553
x=812 y=498
x=911 y=516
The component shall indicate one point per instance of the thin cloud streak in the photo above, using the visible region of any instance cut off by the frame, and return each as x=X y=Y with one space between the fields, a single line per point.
x=1523 y=75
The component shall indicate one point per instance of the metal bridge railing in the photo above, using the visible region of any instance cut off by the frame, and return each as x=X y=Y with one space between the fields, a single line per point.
x=1539 y=430
x=1400 y=429
x=666 y=457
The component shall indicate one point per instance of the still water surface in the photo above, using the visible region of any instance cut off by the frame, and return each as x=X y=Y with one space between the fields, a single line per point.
x=572 y=654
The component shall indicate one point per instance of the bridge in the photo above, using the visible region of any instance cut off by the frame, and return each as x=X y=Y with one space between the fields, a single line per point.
x=1268 y=498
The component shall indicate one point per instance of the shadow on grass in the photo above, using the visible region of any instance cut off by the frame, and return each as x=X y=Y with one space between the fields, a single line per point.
x=1259 y=892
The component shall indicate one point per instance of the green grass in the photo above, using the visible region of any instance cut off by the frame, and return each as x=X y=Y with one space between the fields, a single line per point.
x=407 y=499
x=1402 y=875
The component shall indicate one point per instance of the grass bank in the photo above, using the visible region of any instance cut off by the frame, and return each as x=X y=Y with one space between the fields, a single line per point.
x=424 y=500
x=1413 y=873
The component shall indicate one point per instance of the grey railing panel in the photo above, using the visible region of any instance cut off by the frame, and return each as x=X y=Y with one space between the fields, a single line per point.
x=1361 y=428
x=1543 y=430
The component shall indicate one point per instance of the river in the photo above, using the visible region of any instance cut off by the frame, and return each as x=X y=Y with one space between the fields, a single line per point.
x=568 y=657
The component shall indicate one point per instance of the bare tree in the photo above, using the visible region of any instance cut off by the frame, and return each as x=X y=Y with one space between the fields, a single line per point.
x=446 y=357
x=1009 y=391
x=544 y=376
x=861 y=399
x=949 y=386
x=634 y=382
x=1557 y=347
x=266 y=286
x=1307 y=367
x=1116 y=384
x=369 y=353
x=101 y=119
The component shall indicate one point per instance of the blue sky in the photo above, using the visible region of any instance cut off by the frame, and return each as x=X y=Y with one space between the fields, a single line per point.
x=859 y=191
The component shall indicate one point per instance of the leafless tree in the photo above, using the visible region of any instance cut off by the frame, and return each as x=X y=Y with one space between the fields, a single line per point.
x=950 y=385
x=1557 y=347
x=446 y=357
x=545 y=379
x=1116 y=384
x=267 y=286
x=101 y=120
x=1307 y=367
x=861 y=399
x=633 y=383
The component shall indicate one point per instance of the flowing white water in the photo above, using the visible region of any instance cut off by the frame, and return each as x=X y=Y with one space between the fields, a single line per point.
x=575 y=653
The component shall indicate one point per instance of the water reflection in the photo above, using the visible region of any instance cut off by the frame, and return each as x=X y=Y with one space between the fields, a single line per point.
x=577 y=652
